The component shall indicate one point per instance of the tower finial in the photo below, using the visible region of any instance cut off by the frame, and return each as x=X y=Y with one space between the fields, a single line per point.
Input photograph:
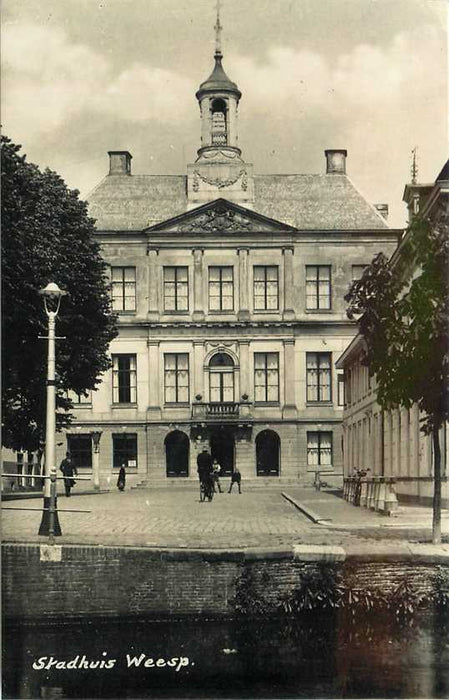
x=414 y=168
x=218 y=29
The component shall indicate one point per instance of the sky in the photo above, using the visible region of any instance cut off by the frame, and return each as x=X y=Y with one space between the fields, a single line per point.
x=81 y=77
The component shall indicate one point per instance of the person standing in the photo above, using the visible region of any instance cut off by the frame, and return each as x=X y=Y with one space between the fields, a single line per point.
x=236 y=478
x=69 y=470
x=216 y=471
x=121 y=481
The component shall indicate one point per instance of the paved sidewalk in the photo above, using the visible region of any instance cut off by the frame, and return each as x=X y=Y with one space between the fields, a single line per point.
x=330 y=510
x=174 y=518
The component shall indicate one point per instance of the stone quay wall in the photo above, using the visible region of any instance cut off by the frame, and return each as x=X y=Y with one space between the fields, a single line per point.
x=43 y=582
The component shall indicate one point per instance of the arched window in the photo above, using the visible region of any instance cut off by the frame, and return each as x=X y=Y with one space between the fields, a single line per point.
x=268 y=448
x=221 y=378
x=219 y=122
x=177 y=454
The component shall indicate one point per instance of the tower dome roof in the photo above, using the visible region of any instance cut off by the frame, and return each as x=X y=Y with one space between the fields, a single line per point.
x=218 y=81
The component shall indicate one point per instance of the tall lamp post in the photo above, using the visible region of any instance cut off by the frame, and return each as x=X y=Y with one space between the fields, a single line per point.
x=50 y=523
x=96 y=435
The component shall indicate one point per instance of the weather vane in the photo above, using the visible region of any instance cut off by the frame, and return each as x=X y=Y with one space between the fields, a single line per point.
x=414 y=168
x=218 y=29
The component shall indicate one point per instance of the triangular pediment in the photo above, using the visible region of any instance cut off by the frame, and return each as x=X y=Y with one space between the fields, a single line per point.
x=220 y=217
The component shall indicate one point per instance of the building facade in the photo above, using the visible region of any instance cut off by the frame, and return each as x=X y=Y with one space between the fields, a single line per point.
x=229 y=290
x=390 y=443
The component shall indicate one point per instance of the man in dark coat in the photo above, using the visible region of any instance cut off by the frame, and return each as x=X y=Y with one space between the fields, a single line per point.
x=69 y=470
x=205 y=468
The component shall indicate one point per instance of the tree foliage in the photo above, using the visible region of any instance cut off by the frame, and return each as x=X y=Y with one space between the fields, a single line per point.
x=47 y=237
x=404 y=309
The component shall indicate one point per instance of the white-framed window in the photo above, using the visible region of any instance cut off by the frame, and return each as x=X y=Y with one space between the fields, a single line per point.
x=176 y=377
x=266 y=287
x=319 y=376
x=124 y=379
x=340 y=389
x=221 y=288
x=319 y=448
x=123 y=288
x=266 y=377
x=124 y=450
x=318 y=287
x=176 y=288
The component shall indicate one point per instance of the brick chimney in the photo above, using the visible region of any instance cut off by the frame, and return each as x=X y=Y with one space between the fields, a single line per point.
x=335 y=161
x=119 y=162
x=382 y=209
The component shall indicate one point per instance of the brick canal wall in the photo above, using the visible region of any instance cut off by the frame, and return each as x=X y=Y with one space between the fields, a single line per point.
x=62 y=582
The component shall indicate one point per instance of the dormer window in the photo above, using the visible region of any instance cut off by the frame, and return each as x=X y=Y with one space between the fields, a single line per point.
x=219 y=125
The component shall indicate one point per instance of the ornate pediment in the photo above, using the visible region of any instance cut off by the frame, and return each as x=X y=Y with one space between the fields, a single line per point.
x=220 y=216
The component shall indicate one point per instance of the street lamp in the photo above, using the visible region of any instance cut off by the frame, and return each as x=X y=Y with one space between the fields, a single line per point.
x=50 y=523
x=96 y=435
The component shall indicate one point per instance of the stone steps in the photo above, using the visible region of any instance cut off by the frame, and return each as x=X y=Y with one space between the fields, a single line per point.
x=249 y=483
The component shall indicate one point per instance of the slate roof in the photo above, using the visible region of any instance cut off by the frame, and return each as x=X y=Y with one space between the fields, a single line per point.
x=306 y=202
x=134 y=202
x=324 y=202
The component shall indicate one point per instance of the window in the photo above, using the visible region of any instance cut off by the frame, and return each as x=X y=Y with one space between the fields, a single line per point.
x=319 y=449
x=123 y=286
x=176 y=377
x=357 y=271
x=266 y=377
x=80 y=399
x=266 y=288
x=124 y=379
x=176 y=289
x=341 y=389
x=124 y=448
x=80 y=448
x=221 y=289
x=319 y=376
x=318 y=287
x=221 y=378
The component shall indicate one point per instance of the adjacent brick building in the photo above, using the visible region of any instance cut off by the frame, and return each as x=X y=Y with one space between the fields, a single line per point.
x=229 y=287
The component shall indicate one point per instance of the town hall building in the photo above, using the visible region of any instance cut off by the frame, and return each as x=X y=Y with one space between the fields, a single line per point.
x=229 y=288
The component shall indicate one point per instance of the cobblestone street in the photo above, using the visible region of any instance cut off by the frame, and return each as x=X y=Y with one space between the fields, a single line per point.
x=174 y=517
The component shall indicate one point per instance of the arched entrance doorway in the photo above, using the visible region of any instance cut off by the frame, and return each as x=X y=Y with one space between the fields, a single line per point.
x=177 y=454
x=222 y=448
x=268 y=448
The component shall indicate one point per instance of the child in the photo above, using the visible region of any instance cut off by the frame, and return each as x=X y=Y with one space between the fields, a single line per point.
x=236 y=478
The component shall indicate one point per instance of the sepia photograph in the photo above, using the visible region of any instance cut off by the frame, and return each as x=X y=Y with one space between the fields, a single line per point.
x=225 y=338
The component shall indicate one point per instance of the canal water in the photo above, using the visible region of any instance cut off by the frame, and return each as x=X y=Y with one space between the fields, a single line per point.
x=310 y=657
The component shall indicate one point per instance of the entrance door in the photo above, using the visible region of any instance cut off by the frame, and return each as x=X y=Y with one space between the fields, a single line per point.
x=177 y=454
x=222 y=447
x=267 y=453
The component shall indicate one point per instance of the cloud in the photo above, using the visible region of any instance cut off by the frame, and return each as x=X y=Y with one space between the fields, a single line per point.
x=48 y=80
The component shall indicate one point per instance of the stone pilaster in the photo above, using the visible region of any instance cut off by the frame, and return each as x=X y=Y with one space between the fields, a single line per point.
x=198 y=297
x=289 y=410
x=244 y=369
x=288 y=313
x=154 y=403
x=243 y=314
x=198 y=369
x=153 y=284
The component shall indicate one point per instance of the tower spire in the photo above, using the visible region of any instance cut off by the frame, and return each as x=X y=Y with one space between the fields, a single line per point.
x=414 y=168
x=218 y=29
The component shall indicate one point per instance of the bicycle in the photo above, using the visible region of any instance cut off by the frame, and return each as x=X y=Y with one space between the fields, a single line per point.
x=318 y=483
x=206 y=491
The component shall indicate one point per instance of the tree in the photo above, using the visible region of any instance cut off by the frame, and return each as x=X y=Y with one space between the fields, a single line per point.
x=405 y=322
x=47 y=237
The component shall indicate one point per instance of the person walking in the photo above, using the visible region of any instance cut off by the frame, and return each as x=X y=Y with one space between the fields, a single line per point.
x=236 y=478
x=69 y=470
x=205 y=472
x=216 y=468
x=121 y=481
